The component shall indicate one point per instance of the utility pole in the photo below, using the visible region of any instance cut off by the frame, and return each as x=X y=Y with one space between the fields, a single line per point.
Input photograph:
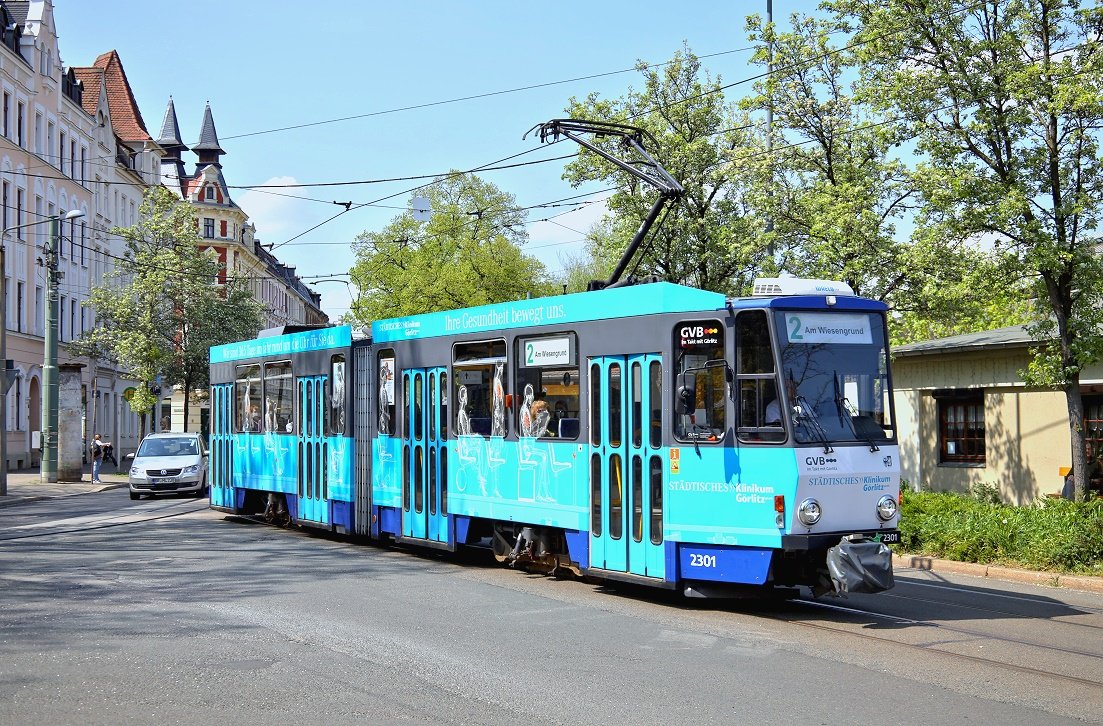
x=48 y=471
x=4 y=365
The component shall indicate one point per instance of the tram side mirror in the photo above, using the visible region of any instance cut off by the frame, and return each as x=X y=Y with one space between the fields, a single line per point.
x=685 y=402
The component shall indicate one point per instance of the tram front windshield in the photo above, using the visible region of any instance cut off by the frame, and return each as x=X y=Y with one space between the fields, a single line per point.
x=834 y=368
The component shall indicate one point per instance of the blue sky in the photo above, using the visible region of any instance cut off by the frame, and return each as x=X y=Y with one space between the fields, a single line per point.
x=263 y=68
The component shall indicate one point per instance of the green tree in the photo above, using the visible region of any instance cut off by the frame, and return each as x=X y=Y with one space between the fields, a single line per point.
x=709 y=239
x=160 y=308
x=468 y=253
x=838 y=191
x=1004 y=100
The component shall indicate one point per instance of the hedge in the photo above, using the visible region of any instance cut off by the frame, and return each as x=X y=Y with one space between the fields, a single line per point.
x=1051 y=534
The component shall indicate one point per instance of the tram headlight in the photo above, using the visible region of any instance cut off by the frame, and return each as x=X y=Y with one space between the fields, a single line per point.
x=886 y=508
x=809 y=512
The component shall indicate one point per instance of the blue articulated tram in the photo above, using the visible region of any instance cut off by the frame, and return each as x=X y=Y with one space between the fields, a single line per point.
x=653 y=433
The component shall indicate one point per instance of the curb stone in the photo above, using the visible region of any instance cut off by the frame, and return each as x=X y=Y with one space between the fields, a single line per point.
x=1085 y=583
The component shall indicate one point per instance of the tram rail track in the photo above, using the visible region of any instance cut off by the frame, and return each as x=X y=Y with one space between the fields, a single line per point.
x=931 y=648
x=995 y=611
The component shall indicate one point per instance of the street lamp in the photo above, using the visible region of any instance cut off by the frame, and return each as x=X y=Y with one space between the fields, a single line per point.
x=49 y=371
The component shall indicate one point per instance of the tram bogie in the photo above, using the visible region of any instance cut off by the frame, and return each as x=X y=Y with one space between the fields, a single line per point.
x=655 y=434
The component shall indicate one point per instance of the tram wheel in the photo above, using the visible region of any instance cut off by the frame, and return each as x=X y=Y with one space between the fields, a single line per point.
x=500 y=546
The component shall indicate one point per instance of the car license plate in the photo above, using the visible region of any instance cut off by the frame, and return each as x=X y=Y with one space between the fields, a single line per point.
x=889 y=537
x=155 y=481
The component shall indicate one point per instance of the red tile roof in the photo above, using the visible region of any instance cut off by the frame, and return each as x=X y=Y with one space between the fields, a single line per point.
x=92 y=78
x=125 y=116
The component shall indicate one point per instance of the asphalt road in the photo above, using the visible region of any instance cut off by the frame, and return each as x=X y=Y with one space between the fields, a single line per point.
x=114 y=611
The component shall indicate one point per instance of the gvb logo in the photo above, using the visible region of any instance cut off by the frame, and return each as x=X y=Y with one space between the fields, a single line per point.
x=698 y=331
x=819 y=460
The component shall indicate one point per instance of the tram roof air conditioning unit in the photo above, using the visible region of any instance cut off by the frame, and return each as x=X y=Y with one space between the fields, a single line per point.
x=773 y=286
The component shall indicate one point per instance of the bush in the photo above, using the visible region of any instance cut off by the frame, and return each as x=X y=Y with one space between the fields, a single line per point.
x=1052 y=534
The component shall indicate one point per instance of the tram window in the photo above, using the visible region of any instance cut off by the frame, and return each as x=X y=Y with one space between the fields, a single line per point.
x=615 y=411
x=433 y=406
x=699 y=352
x=755 y=350
x=385 y=393
x=760 y=418
x=419 y=480
x=279 y=398
x=337 y=401
x=635 y=389
x=656 y=468
x=419 y=408
x=406 y=403
x=444 y=480
x=595 y=494
x=547 y=379
x=655 y=381
x=247 y=392
x=595 y=405
x=443 y=406
x=616 y=484
x=637 y=499
x=479 y=378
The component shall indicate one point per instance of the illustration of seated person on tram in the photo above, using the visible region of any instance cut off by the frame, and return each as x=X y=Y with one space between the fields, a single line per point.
x=553 y=391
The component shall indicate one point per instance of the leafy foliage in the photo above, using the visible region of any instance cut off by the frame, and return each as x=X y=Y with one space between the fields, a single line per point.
x=468 y=253
x=1004 y=101
x=159 y=311
x=710 y=239
x=1053 y=534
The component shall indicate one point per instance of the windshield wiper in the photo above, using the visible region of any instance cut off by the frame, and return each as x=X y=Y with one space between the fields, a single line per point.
x=841 y=403
x=811 y=423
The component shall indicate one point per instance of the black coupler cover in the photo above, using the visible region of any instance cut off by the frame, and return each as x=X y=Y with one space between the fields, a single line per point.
x=860 y=565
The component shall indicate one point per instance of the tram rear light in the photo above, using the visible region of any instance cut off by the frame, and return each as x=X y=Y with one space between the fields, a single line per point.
x=779 y=503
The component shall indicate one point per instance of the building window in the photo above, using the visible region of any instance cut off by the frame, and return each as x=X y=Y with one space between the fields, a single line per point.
x=208 y=228
x=61 y=233
x=7 y=198
x=21 y=114
x=39 y=311
x=7 y=115
x=960 y=427
x=209 y=192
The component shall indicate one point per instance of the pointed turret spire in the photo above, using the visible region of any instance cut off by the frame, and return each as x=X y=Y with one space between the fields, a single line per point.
x=208 y=149
x=170 y=133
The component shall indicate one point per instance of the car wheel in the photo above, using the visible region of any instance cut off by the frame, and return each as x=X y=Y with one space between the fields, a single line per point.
x=135 y=496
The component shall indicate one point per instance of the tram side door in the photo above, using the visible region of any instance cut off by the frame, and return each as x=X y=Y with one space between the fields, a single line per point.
x=424 y=454
x=312 y=450
x=220 y=468
x=624 y=407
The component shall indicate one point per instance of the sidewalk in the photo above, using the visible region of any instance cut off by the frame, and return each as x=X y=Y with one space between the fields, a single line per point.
x=25 y=485
x=1085 y=583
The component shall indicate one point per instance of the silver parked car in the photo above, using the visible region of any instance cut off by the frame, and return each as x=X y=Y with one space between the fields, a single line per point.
x=169 y=464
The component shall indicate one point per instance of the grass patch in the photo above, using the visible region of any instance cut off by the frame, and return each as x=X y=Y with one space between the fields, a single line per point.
x=1052 y=534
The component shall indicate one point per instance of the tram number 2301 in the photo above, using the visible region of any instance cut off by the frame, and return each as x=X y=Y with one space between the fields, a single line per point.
x=698 y=560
